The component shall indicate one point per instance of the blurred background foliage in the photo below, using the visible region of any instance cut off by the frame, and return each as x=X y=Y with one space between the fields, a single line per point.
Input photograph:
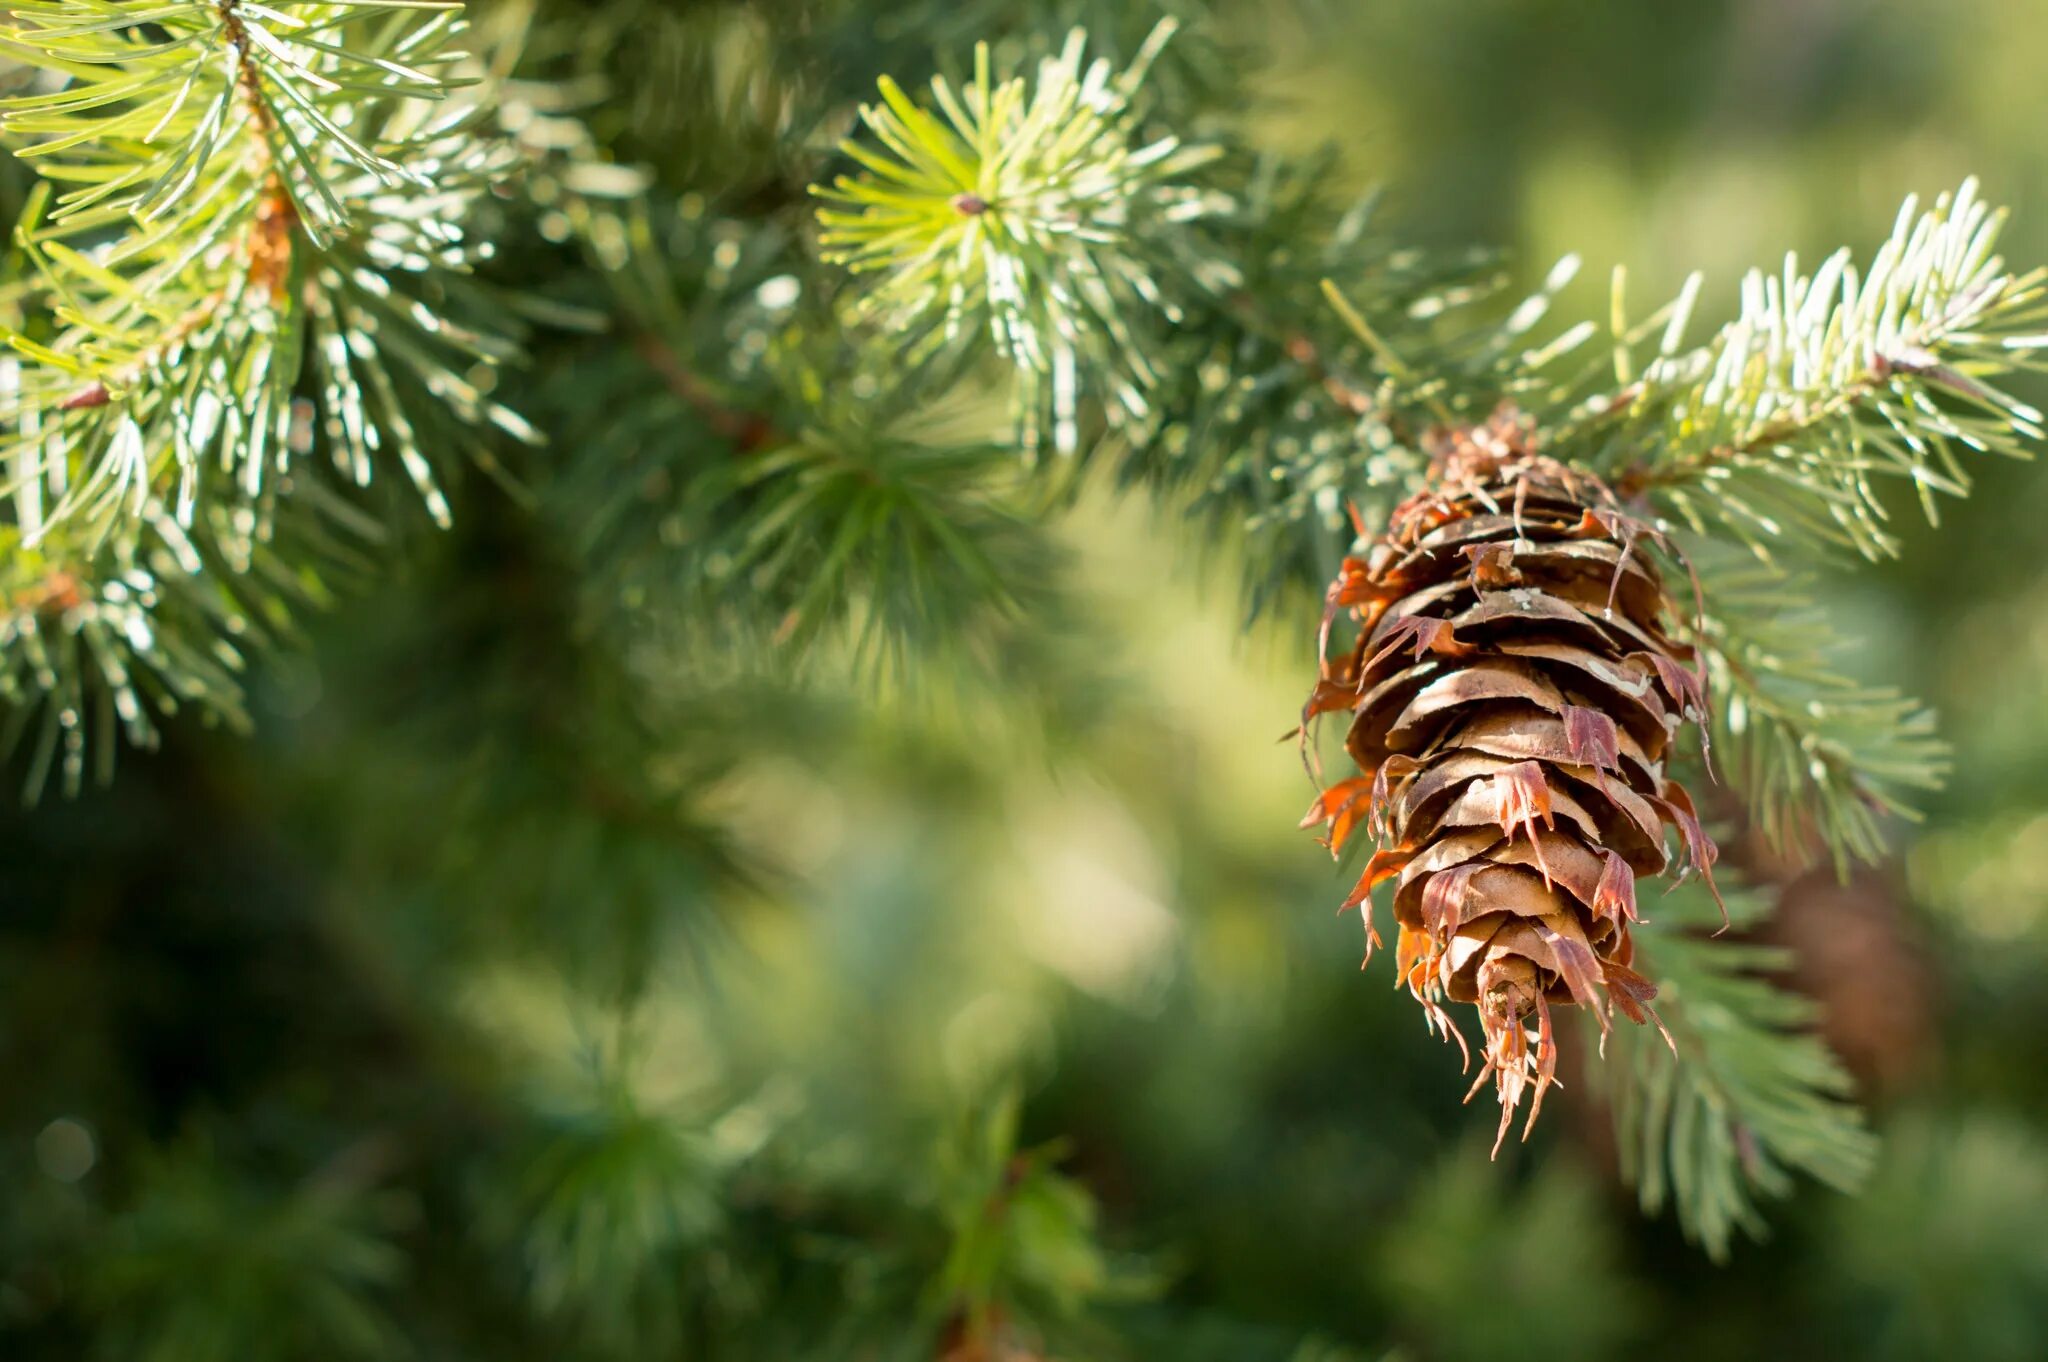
x=540 y=982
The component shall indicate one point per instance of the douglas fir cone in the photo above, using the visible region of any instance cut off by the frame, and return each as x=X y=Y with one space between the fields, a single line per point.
x=1514 y=695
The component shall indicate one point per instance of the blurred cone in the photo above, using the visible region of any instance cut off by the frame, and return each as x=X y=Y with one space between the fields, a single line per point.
x=1854 y=951
x=984 y=1336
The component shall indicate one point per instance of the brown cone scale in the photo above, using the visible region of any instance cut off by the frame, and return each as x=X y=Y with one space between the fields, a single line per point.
x=1515 y=696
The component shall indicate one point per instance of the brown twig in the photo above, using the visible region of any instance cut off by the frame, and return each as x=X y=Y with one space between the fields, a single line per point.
x=56 y=592
x=271 y=236
x=1303 y=351
x=749 y=431
x=246 y=78
x=268 y=244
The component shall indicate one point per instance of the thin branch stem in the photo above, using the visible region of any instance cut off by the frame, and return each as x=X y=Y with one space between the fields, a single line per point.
x=1639 y=478
x=749 y=431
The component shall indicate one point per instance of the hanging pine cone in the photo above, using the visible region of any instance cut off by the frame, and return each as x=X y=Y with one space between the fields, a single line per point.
x=1515 y=696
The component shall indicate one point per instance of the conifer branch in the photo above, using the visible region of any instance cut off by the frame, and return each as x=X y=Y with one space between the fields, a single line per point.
x=249 y=244
x=738 y=490
x=1029 y=214
x=1820 y=759
x=1789 y=420
x=1743 y=1095
x=207 y=1252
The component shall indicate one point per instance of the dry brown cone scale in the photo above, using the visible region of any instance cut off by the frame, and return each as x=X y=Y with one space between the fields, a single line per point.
x=1514 y=695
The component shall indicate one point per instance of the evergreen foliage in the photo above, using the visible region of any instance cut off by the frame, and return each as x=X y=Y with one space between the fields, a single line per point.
x=271 y=206
x=673 y=437
x=1742 y=1096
